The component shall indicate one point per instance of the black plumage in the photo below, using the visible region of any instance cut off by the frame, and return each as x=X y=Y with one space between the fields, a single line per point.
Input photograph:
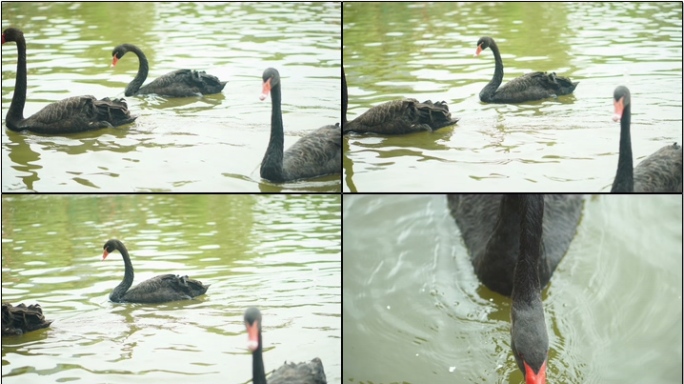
x=71 y=115
x=397 y=116
x=159 y=289
x=302 y=373
x=179 y=83
x=660 y=172
x=318 y=153
x=21 y=319
x=532 y=86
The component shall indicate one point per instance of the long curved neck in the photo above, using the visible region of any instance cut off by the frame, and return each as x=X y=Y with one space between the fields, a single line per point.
x=143 y=69
x=272 y=165
x=493 y=85
x=526 y=286
x=624 y=178
x=344 y=99
x=506 y=232
x=16 y=110
x=127 y=281
x=258 y=372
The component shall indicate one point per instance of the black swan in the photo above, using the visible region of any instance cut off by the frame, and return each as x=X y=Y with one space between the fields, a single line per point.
x=302 y=373
x=318 y=153
x=160 y=289
x=180 y=83
x=490 y=229
x=660 y=172
x=398 y=116
x=21 y=319
x=532 y=86
x=74 y=114
x=515 y=243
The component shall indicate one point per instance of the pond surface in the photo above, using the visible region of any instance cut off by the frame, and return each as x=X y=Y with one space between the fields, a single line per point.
x=213 y=143
x=425 y=51
x=414 y=311
x=280 y=253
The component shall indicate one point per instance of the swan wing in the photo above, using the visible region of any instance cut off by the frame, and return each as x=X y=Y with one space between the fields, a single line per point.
x=316 y=154
x=77 y=114
x=302 y=373
x=402 y=116
x=183 y=83
x=534 y=86
x=661 y=171
x=164 y=288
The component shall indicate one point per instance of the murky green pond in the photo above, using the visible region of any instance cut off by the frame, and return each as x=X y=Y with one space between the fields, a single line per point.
x=414 y=311
x=213 y=143
x=425 y=51
x=281 y=253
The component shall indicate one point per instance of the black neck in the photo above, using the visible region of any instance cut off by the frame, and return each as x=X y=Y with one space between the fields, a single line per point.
x=16 y=110
x=624 y=178
x=143 y=69
x=258 y=372
x=272 y=165
x=493 y=85
x=127 y=281
x=526 y=278
x=495 y=265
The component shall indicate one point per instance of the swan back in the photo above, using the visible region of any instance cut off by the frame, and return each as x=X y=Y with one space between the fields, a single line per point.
x=491 y=233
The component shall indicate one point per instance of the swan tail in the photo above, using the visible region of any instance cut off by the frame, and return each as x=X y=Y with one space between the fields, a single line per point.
x=20 y=319
x=564 y=85
x=207 y=83
x=193 y=287
x=113 y=111
x=435 y=115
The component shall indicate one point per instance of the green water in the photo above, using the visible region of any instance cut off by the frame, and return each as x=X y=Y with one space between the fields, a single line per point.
x=426 y=51
x=213 y=143
x=280 y=253
x=414 y=311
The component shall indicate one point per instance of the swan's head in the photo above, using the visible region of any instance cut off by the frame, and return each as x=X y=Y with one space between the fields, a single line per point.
x=621 y=99
x=118 y=53
x=12 y=34
x=529 y=340
x=271 y=79
x=483 y=44
x=110 y=246
x=253 y=325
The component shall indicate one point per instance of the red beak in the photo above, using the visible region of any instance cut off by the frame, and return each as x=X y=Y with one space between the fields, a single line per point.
x=478 y=50
x=266 y=90
x=105 y=254
x=619 y=108
x=535 y=378
x=253 y=336
x=114 y=61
